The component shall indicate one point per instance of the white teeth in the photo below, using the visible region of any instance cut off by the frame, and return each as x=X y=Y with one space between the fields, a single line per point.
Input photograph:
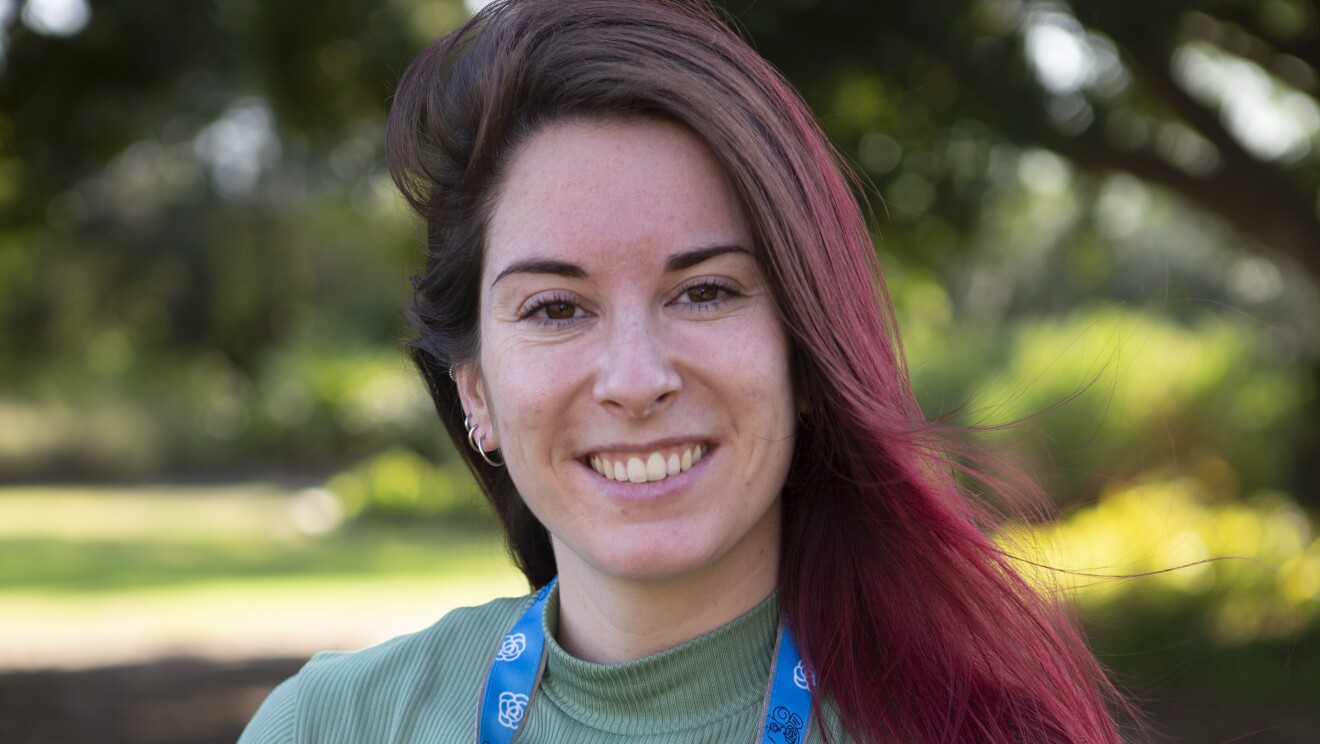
x=636 y=470
x=655 y=467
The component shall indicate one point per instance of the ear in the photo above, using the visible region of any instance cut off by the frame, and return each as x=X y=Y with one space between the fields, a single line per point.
x=472 y=394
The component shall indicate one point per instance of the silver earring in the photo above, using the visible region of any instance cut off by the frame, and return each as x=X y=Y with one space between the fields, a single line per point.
x=477 y=443
x=481 y=450
x=471 y=432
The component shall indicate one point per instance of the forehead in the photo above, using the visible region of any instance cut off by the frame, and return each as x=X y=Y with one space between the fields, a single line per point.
x=615 y=188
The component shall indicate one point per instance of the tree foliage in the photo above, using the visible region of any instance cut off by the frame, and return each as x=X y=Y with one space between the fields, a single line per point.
x=1162 y=91
x=193 y=204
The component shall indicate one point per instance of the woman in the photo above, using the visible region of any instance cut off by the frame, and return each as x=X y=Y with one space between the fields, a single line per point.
x=652 y=319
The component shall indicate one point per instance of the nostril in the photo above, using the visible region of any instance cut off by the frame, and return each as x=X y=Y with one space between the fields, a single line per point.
x=636 y=384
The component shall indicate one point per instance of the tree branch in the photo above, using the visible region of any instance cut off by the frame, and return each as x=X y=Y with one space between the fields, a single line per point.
x=1291 y=227
x=1305 y=48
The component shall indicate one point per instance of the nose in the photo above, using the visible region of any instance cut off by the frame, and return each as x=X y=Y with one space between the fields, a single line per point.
x=636 y=377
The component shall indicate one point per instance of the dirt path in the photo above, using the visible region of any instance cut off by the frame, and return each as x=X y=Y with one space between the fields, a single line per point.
x=175 y=701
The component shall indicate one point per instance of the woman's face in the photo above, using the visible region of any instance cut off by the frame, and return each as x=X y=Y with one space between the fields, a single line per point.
x=633 y=370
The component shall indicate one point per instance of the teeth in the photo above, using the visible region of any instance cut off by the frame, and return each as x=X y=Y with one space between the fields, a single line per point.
x=653 y=468
x=636 y=470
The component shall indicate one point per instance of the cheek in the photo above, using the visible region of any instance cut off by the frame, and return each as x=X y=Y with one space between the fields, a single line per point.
x=533 y=404
x=762 y=367
x=524 y=418
x=523 y=387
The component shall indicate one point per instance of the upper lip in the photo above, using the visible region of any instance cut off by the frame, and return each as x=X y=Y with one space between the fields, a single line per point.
x=649 y=446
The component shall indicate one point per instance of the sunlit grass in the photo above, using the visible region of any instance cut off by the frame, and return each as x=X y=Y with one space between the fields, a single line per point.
x=101 y=575
x=161 y=512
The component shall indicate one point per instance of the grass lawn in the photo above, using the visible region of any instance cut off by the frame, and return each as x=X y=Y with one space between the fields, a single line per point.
x=92 y=576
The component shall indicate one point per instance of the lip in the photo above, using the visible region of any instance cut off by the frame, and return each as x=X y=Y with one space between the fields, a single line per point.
x=667 y=489
x=651 y=446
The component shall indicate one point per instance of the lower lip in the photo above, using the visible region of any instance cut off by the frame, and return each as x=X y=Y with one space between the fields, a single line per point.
x=650 y=491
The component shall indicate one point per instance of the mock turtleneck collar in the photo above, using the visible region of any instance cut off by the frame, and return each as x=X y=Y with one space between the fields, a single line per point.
x=710 y=677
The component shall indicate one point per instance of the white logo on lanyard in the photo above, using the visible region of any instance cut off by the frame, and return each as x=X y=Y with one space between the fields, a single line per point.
x=512 y=706
x=513 y=646
x=800 y=676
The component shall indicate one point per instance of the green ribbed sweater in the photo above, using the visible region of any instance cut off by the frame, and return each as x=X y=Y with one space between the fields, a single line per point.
x=424 y=688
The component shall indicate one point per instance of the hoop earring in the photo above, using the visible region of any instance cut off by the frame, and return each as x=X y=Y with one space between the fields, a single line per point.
x=471 y=432
x=476 y=443
x=485 y=455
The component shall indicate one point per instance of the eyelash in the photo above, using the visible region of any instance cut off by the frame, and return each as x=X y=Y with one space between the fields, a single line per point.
x=531 y=312
x=726 y=290
x=540 y=304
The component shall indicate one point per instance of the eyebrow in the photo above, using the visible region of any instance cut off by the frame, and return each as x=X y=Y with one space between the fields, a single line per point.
x=676 y=262
x=541 y=266
x=680 y=261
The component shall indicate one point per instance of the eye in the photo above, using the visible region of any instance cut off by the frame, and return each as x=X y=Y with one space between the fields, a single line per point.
x=703 y=293
x=551 y=310
x=559 y=310
x=706 y=293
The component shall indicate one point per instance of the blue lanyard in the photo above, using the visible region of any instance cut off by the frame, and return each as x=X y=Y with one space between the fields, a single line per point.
x=520 y=660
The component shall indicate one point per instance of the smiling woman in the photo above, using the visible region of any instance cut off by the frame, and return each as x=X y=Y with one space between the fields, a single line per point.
x=649 y=288
x=626 y=327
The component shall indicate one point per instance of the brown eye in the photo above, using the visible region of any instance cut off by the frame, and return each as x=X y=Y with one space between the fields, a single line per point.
x=703 y=293
x=560 y=310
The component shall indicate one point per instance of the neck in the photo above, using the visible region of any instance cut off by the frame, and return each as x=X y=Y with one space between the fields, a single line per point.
x=606 y=620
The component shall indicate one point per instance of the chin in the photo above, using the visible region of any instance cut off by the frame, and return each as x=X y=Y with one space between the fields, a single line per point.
x=652 y=564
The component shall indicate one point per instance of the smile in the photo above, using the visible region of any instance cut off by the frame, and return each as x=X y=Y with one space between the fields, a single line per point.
x=637 y=467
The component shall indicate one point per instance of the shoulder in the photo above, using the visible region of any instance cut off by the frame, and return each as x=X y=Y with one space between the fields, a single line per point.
x=464 y=636
x=275 y=721
x=354 y=696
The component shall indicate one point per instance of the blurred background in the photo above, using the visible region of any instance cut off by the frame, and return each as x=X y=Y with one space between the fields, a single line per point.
x=215 y=460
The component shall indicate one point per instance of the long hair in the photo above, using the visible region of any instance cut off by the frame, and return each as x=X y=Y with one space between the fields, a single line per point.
x=915 y=624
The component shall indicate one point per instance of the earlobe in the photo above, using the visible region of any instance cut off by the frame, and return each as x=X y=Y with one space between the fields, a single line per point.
x=477 y=442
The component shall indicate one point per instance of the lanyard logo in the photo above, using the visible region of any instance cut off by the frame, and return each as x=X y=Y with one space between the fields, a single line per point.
x=513 y=647
x=512 y=706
